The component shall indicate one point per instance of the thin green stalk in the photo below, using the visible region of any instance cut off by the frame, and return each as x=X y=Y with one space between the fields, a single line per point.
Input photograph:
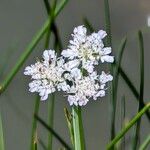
x=137 y=127
x=88 y=25
x=30 y=48
x=50 y=13
x=117 y=65
x=107 y=23
x=56 y=135
x=123 y=116
x=51 y=103
x=70 y=124
x=145 y=143
x=108 y=42
x=124 y=130
x=34 y=123
x=115 y=86
x=1 y=135
x=79 y=143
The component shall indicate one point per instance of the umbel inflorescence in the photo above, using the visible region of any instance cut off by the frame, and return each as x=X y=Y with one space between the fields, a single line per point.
x=73 y=72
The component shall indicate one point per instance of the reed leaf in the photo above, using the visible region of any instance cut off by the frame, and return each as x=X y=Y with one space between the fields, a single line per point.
x=141 y=101
x=88 y=24
x=34 y=123
x=123 y=117
x=70 y=124
x=78 y=132
x=1 y=135
x=126 y=128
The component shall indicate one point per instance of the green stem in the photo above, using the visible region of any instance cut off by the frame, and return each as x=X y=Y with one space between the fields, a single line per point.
x=124 y=130
x=30 y=48
x=145 y=143
x=1 y=135
x=137 y=127
x=70 y=124
x=108 y=42
x=79 y=143
x=34 y=123
x=50 y=119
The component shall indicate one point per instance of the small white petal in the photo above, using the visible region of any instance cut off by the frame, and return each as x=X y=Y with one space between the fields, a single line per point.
x=107 y=58
x=102 y=34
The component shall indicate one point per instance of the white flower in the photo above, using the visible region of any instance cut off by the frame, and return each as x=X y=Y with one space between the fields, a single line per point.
x=74 y=71
x=46 y=74
x=104 y=78
x=87 y=49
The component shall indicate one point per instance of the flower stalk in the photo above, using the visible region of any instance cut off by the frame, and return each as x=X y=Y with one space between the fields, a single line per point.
x=79 y=142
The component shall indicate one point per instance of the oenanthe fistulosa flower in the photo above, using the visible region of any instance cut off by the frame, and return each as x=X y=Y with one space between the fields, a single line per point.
x=74 y=71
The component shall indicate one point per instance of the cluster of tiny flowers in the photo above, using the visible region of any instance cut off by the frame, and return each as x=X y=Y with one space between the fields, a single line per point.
x=74 y=71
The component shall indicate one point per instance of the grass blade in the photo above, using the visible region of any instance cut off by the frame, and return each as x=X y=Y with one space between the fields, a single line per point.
x=30 y=48
x=34 y=123
x=145 y=143
x=108 y=42
x=107 y=23
x=79 y=143
x=53 y=132
x=50 y=119
x=1 y=135
x=115 y=86
x=130 y=124
x=118 y=63
x=50 y=13
x=123 y=116
x=88 y=25
x=137 y=126
x=70 y=124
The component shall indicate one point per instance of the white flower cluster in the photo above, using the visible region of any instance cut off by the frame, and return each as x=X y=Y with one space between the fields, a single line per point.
x=74 y=71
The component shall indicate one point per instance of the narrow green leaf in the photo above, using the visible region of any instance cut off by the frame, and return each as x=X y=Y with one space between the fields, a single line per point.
x=115 y=86
x=123 y=116
x=1 y=135
x=35 y=142
x=56 y=135
x=130 y=124
x=70 y=124
x=88 y=24
x=51 y=103
x=107 y=23
x=108 y=42
x=141 y=101
x=118 y=63
x=50 y=13
x=79 y=141
x=30 y=48
x=145 y=144
x=34 y=123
